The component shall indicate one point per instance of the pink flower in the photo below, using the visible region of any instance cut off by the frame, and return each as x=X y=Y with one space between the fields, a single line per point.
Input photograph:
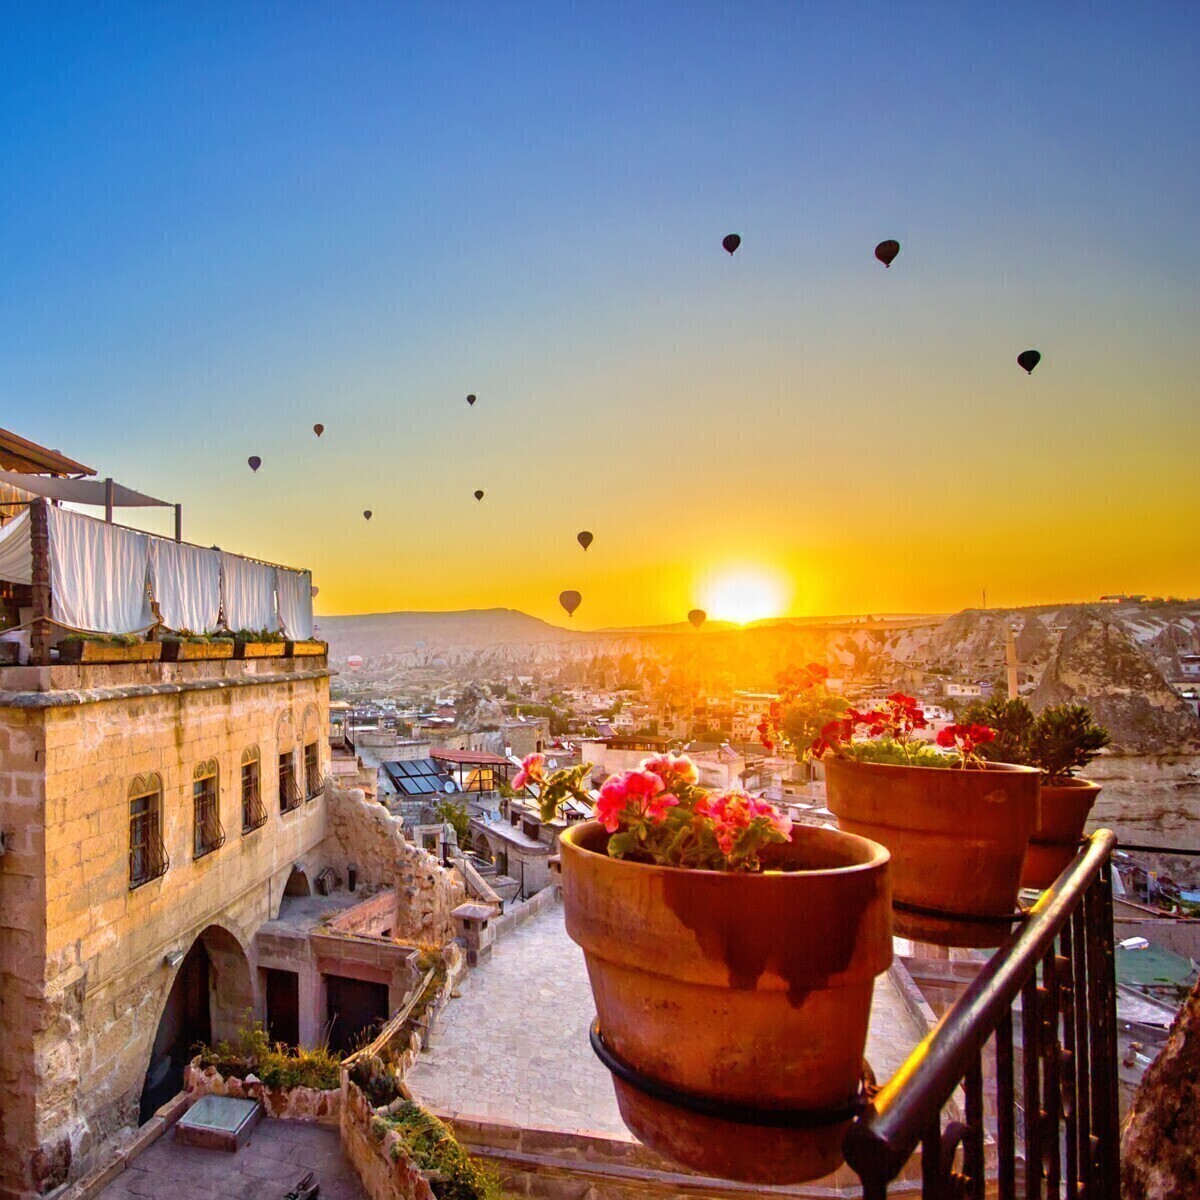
x=635 y=793
x=671 y=768
x=531 y=772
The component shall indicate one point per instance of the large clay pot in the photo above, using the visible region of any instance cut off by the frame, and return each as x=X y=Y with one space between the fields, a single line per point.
x=957 y=836
x=750 y=989
x=1055 y=841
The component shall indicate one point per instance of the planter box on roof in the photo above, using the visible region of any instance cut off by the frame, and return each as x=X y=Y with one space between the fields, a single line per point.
x=106 y=652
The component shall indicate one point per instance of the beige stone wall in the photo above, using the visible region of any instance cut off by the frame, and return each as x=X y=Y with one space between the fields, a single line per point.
x=22 y=938
x=365 y=833
x=86 y=1046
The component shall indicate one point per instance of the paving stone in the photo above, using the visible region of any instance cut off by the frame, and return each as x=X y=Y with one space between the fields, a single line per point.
x=515 y=1046
x=276 y=1156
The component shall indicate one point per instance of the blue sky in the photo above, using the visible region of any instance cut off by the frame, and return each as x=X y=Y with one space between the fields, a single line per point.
x=220 y=223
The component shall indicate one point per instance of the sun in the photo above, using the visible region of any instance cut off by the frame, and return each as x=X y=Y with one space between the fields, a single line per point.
x=744 y=595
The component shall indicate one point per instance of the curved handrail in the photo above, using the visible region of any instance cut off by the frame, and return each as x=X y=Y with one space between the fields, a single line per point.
x=907 y=1105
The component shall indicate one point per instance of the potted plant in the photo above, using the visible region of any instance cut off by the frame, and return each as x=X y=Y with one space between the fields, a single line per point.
x=258 y=643
x=305 y=649
x=957 y=825
x=106 y=648
x=732 y=959
x=186 y=646
x=1059 y=742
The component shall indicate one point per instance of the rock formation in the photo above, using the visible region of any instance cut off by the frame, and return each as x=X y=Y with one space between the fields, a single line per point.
x=1160 y=1142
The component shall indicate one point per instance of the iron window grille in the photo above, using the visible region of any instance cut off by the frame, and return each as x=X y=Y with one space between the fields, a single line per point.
x=148 y=857
x=312 y=772
x=254 y=812
x=289 y=793
x=209 y=835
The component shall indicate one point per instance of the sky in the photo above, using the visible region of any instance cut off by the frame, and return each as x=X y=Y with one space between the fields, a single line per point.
x=221 y=223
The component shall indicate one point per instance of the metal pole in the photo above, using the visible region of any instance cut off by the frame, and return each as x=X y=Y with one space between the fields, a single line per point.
x=179 y=522
x=108 y=499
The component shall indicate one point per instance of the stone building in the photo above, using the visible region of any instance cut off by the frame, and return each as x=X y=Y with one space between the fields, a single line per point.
x=154 y=817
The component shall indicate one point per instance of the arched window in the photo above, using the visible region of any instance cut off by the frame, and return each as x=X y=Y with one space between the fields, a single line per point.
x=208 y=833
x=285 y=747
x=147 y=855
x=254 y=812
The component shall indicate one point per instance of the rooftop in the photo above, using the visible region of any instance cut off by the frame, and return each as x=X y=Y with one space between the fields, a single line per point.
x=273 y=1161
x=20 y=454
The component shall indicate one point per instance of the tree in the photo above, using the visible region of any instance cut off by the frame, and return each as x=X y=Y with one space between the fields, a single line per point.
x=454 y=813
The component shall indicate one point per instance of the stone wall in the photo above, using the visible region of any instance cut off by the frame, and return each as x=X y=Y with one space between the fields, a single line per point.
x=365 y=833
x=383 y=1176
x=290 y=1104
x=84 y=967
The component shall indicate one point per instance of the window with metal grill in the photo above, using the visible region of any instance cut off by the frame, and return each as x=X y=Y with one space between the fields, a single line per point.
x=206 y=801
x=147 y=855
x=254 y=812
x=289 y=793
x=312 y=772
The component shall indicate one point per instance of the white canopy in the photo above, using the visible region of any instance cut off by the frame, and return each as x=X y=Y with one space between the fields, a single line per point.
x=103 y=576
x=78 y=491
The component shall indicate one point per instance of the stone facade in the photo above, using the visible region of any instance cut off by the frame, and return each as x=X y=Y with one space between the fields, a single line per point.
x=86 y=959
x=373 y=839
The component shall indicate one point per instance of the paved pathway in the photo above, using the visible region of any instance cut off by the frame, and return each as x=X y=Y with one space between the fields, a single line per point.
x=514 y=1047
x=270 y=1164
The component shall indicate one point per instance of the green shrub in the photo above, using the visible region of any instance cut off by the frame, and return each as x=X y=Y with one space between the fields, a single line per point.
x=105 y=639
x=276 y=1065
x=1061 y=741
x=432 y=1146
x=891 y=753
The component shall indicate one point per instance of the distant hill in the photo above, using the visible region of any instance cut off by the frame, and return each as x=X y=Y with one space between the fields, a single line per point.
x=400 y=632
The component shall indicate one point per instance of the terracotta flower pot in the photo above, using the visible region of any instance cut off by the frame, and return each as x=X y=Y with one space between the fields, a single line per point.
x=738 y=989
x=1055 y=840
x=957 y=837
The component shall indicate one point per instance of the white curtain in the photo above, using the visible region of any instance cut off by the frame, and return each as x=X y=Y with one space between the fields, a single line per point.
x=98 y=575
x=186 y=582
x=248 y=593
x=295 y=602
x=16 y=551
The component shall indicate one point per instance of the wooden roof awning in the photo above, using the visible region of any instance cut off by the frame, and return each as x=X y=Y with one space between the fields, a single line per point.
x=28 y=458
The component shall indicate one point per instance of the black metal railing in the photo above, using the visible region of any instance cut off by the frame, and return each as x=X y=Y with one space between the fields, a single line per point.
x=1039 y=1118
x=289 y=791
x=254 y=812
x=148 y=858
x=208 y=832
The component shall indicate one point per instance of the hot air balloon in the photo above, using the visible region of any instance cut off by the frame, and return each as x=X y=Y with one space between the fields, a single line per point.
x=471 y=399
x=731 y=241
x=318 y=429
x=254 y=461
x=316 y=591
x=887 y=251
x=570 y=601
x=479 y=493
x=1028 y=359
x=697 y=617
x=584 y=539
x=354 y=662
x=366 y=514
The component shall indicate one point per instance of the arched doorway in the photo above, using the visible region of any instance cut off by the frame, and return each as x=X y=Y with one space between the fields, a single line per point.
x=208 y=1002
x=298 y=883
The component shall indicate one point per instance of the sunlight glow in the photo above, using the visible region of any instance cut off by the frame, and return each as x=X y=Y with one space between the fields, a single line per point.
x=745 y=594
